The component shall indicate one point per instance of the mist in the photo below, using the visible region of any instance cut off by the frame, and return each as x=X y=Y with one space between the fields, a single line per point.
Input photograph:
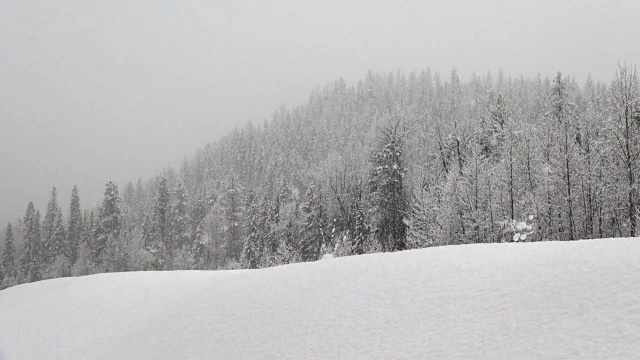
x=97 y=91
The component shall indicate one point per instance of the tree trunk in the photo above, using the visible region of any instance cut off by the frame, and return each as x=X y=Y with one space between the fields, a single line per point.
x=569 y=199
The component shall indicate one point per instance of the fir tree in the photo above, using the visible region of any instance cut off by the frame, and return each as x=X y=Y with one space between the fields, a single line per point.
x=75 y=225
x=271 y=233
x=266 y=246
x=88 y=229
x=140 y=202
x=129 y=196
x=232 y=210
x=289 y=248
x=201 y=206
x=157 y=261
x=360 y=233
x=109 y=223
x=157 y=228
x=8 y=264
x=161 y=213
x=117 y=259
x=314 y=227
x=60 y=265
x=180 y=217
x=59 y=245
x=251 y=248
x=388 y=196
x=418 y=230
x=48 y=228
x=30 y=261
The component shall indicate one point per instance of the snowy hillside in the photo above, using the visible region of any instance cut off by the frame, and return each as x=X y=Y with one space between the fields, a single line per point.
x=568 y=300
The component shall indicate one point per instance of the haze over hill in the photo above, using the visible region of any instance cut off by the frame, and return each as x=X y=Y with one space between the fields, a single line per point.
x=95 y=91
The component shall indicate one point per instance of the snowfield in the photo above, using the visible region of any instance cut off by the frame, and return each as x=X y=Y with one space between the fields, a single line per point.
x=551 y=300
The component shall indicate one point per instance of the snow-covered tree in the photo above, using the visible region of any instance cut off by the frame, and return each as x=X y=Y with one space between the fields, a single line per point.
x=88 y=229
x=563 y=116
x=314 y=227
x=8 y=263
x=268 y=242
x=231 y=203
x=75 y=229
x=625 y=125
x=157 y=232
x=199 y=209
x=30 y=258
x=109 y=223
x=162 y=213
x=59 y=244
x=180 y=218
x=388 y=194
x=48 y=228
x=251 y=250
x=419 y=223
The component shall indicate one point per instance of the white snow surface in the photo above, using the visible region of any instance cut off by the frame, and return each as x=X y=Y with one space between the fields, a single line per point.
x=550 y=300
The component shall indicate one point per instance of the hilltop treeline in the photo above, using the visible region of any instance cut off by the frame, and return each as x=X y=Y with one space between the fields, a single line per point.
x=393 y=162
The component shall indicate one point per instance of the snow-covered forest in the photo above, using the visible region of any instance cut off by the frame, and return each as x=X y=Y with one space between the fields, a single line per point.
x=396 y=161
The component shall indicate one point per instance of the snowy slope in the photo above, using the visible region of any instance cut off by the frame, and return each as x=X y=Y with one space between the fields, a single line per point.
x=570 y=300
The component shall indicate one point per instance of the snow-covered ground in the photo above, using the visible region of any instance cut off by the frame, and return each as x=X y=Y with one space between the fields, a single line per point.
x=569 y=300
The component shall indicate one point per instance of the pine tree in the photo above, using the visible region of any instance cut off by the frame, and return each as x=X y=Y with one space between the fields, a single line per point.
x=148 y=234
x=251 y=248
x=388 y=195
x=88 y=229
x=161 y=214
x=129 y=196
x=199 y=210
x=117 y=259
x=140 y=202
x=75 y=225
x=60 y=265
x=266 y=246
x=8 y=264
x=492 y=130
x=84 y=264
x=180 y=217
x=360 y=233
x=109 y=223
x=157 y=232
x=59 y=245
x=198 y=247
x=314 y=226
x=271 y=233
x=418 y=230
x=48 y=228
x=232 y=210
x=30 y=260
x=289 y=249
x=129 y=218
x=286 y=228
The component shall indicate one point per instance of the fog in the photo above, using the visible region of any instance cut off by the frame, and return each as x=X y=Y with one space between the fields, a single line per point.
x=93 y=91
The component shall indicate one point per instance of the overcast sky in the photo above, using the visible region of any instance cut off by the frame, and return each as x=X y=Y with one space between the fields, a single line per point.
x=92 y=91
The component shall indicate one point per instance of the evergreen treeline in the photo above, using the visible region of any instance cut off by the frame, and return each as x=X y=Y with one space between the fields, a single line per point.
x=395 y=162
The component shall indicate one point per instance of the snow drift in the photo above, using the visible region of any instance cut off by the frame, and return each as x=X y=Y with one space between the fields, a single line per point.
x=553 y=300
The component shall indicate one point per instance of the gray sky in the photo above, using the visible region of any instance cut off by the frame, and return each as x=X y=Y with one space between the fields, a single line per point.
x=92 y=91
